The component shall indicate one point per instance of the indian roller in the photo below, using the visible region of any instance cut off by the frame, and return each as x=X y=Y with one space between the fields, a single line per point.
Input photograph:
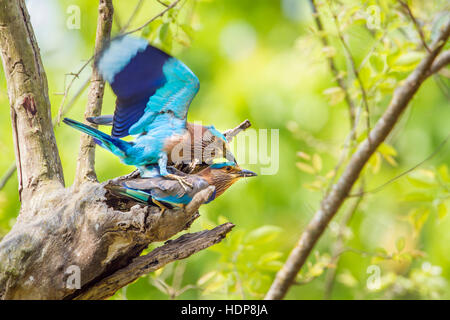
x=154 y=91
x=168 y=194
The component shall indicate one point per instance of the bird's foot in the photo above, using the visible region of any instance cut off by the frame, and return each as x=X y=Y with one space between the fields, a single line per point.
x=181 y=180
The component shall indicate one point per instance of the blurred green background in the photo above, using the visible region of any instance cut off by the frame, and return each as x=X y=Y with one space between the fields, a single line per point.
x=263 y=61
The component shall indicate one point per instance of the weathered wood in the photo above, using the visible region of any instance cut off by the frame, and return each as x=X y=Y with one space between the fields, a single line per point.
x=86 y=229
x=37 y=157
x=181 y=248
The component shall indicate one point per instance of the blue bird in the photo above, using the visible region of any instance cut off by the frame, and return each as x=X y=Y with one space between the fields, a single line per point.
x=154 y=91
x=167 y=194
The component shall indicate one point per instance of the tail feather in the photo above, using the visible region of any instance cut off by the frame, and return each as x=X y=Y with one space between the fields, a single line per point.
x=136 y=195
x=114 y=145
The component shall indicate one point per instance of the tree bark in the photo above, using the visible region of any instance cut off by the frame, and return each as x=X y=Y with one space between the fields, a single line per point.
x=37 y=157
x=86 y=157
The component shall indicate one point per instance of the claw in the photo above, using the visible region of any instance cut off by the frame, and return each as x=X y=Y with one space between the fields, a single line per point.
x=181 y=180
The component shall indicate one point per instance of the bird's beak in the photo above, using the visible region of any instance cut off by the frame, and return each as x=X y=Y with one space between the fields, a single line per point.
x=246 y=173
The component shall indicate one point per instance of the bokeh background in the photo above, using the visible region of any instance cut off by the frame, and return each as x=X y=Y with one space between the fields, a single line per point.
x=263 y=61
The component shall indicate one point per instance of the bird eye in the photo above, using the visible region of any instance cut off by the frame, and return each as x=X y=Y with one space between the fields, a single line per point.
x=228 y=168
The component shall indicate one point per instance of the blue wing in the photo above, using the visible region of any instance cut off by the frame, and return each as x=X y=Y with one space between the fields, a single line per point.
x=147 y=82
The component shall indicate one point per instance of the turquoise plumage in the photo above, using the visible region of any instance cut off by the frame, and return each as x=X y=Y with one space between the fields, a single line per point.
x=154 y=92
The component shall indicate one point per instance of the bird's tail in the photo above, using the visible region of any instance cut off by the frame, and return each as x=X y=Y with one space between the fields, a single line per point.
x=137 y=195
x=114 y=145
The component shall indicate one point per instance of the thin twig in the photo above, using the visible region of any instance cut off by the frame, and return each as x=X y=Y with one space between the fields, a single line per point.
x=132 y=16
x=173 y=4
x=416 y=24
x=67 y=89
x=375 y=190
x=441 y=61
x=354 y=69
x=8 y=174
x=337 y=76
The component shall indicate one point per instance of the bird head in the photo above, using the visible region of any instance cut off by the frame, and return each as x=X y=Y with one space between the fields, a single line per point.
x=223 y=174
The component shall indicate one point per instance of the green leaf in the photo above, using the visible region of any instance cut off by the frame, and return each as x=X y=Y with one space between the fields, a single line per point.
x=386 y=149
x=188 y=30
x=400 y=244
x=418 y=197
x=443 y=173
x=442 y=210
x=270 y=256
x=365 y=75
x=347 y=279
x=305 y=167
x=334 y=95
x=165 y=36
x=262 y=235
x=418 y=217
x=317 y=162
x=421 y=179
x=377 y=62
x=407 y=61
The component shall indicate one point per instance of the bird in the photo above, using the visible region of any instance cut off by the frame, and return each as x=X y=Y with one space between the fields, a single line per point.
x=154 y=91
x=167 y=194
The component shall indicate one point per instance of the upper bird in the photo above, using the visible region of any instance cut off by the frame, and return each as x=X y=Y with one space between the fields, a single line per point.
x=154 y=91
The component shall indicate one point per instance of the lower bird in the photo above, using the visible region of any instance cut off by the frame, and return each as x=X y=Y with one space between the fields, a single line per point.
x=168 y=194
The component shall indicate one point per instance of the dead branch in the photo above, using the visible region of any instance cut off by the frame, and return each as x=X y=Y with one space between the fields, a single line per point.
x=172 y=250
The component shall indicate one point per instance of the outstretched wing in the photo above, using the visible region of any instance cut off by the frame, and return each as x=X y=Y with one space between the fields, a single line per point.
x=147 y=82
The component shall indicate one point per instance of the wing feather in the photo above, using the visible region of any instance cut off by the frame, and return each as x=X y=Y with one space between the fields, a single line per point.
x=147 y=82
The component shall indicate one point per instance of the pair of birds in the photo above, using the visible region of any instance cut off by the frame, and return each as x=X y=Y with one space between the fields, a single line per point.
x=154 y=91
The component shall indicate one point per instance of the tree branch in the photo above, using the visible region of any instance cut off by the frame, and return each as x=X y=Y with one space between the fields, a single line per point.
x=169 y=7
x=172 y=250
x=339 y=245
x=86 y=158
x=416 y=24
x=8 y=174
x=36 y=153
x=230 y=134
x=339 y=192
x=441 y=61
